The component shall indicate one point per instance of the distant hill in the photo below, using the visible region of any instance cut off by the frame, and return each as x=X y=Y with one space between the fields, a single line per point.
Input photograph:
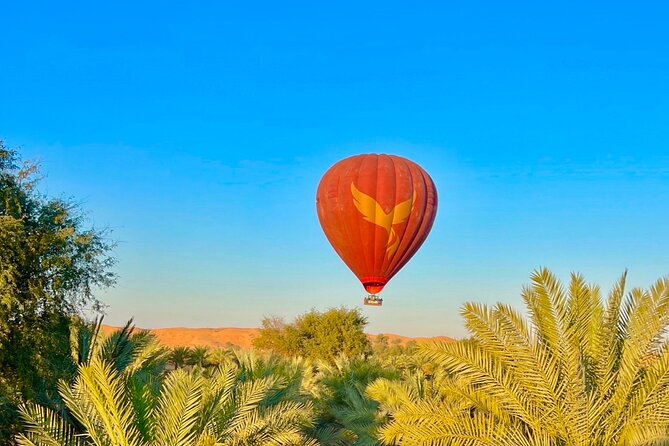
x=241 y=337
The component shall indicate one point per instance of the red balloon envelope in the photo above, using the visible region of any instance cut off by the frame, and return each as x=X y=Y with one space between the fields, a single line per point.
x=376 y=211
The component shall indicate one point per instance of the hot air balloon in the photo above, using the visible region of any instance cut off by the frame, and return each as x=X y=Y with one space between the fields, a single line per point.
x=376 y=211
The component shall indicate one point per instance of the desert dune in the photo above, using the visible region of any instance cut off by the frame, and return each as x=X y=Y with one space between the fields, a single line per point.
x=240 y=337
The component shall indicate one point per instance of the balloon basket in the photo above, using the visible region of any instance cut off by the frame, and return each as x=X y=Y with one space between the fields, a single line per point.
x=373 y=301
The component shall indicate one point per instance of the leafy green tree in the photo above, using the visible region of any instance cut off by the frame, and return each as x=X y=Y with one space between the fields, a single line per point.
x=578 y=372
x=50 y=264
x=325 y=336
x=278 y=336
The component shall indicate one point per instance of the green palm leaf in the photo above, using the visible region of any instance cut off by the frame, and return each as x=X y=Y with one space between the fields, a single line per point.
x=43 y=427
x=576 y=372
x=177 y=410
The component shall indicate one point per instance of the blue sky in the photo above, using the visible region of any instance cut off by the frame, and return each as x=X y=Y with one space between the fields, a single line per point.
x=199 y=132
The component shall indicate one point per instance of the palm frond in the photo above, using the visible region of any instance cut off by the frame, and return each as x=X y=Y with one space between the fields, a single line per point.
x=44 y=427
x=576 y=372
x=176 y=414
x=98 y=400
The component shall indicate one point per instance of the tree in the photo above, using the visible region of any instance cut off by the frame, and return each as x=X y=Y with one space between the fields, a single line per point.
x=578 y=372
x=50 y=265
x=105 y=405
x=326 y=336
x=199 y=356
x=343 y=405
x=381 y=344
x=180 y=356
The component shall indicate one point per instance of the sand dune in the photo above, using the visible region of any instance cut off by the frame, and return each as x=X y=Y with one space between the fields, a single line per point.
x=241 y=337
x=208 y=337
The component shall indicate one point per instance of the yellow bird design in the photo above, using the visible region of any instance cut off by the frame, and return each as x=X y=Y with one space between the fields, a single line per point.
x=372 y=212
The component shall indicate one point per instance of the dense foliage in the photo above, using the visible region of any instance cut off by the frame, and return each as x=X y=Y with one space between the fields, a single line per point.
x=50 y=264
x=579 y=372
x=317 y=335
x=122 y=396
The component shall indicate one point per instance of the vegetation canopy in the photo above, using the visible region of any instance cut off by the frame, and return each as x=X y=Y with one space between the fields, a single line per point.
x=122 y=396
x=326 y=336
x=50 y=264
x=582 y=370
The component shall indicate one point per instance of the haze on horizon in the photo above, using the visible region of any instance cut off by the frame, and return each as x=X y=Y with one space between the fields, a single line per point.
x=198 y=135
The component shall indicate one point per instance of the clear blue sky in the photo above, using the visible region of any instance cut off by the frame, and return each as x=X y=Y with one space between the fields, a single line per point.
x=198 y=132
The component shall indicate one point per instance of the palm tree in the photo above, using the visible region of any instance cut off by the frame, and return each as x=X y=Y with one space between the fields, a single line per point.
x=109 y=406
x=578 y=372
x=199 y=356
x=320 y=383
x=220 y=357
x=179 y=357
x=347 y=416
